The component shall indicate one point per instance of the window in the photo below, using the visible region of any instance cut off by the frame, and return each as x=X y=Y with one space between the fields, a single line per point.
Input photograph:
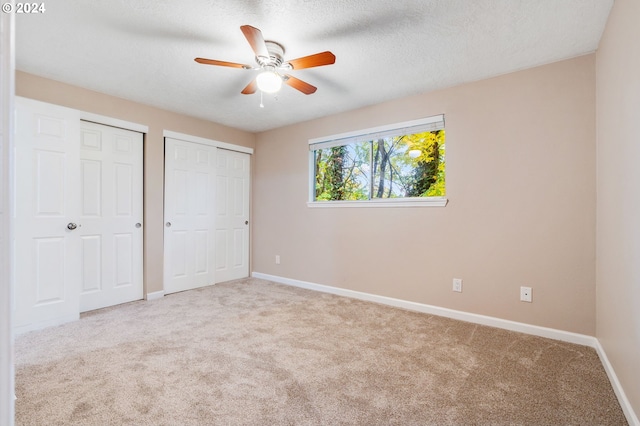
x=401 y=164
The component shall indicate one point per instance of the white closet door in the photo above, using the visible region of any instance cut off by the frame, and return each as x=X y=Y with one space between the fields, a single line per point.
x=189 y=246
x=232 y=215
x=111 y=214
x=47 y=243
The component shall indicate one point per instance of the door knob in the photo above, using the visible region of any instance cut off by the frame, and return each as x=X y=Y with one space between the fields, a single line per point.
x=168 y=224
x=138 y=225
x=71 y=226
x=246 y=222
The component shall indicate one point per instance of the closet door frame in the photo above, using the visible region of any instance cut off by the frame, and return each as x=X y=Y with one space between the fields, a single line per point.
x=210 y=143
x=74 y=118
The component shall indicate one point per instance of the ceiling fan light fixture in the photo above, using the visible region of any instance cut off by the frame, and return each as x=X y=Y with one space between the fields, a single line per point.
x=269 y=81
x=269 y=56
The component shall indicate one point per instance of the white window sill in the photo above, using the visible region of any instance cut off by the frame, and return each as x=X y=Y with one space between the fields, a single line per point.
x=387 y=202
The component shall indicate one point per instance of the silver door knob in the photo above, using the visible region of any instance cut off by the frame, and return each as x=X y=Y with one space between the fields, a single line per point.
x=71 y=226
x=246 y=222
x=138 y=225
x=168 y=225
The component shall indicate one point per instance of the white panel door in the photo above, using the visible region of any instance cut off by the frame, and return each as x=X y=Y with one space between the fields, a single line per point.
x=232 y=215
x=189 y=247
x=111 y=214
x=47 y=243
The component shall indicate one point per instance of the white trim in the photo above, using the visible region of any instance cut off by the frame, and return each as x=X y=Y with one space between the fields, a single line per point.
x=379 y=129
x=631 y=416
x=113 y=122
x=551 y=333
x=154 y=295
x=203 y=141
x=385 y=202
x=45 y=324
x=99 y=119
x=7 y=92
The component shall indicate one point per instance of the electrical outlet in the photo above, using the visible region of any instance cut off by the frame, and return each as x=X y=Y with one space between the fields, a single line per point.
x=277 y=259
x=525 y=294
x=457 y=285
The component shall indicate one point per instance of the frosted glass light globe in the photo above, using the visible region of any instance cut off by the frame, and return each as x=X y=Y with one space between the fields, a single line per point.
x=269 y=81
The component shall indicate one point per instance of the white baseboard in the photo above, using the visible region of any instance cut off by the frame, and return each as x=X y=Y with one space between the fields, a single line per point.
x=154 y=295
x=631 y=416
x=535 y=330
x=551 y=333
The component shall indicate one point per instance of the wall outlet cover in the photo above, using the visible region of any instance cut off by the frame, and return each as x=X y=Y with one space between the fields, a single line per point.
x=457 y=285
x=525 y=294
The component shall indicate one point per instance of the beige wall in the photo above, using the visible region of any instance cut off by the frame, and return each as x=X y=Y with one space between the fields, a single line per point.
x=157 y=120
x=520 y=180
x=618 y=188
x=521 y=189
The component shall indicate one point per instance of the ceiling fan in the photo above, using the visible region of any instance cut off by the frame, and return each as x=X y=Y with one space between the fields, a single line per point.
x=269 y=56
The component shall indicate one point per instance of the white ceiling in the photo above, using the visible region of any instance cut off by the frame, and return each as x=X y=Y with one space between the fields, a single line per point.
x=143 y=50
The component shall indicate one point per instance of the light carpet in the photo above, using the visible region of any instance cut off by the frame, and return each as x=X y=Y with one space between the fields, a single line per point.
x=252 y=352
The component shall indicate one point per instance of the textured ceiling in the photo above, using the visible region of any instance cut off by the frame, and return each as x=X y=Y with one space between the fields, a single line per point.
x=143 y=50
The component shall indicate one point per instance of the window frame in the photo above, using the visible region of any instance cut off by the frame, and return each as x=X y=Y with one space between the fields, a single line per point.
x=431 y=123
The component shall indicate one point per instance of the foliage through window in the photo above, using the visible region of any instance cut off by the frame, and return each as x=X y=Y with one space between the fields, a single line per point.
x=403 y=161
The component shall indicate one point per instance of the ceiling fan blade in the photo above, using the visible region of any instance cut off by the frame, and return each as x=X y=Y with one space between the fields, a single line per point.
x=221 y=63
x=317 y=60
x=251 y=88
x=300 y=85
x=255 y=39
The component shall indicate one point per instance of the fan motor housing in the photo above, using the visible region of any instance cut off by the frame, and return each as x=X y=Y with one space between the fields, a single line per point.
x=276 y=53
